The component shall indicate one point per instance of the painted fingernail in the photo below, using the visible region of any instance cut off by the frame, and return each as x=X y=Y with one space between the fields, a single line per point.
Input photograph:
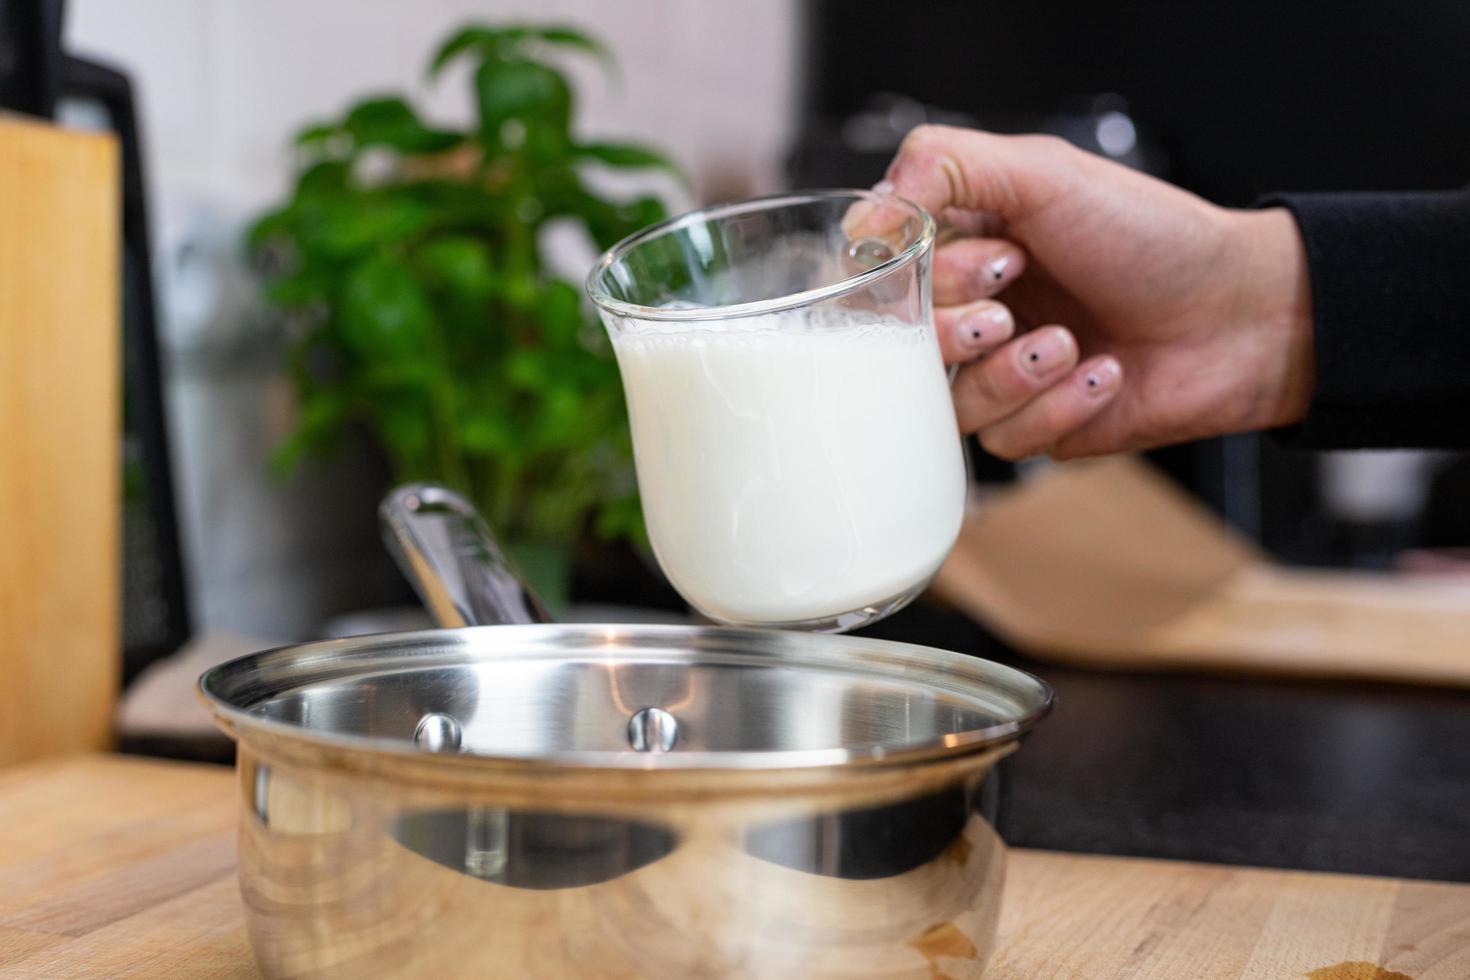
x=1102 y=377
x=883 y=187
x=985 y=328
x=1045 y=352
x=994 y=273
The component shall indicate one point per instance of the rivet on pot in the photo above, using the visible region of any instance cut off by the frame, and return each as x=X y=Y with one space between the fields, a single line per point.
x=652 y=730
x=437 y=733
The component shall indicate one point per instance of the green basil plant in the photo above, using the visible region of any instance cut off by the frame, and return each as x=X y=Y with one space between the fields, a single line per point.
x=409 y=266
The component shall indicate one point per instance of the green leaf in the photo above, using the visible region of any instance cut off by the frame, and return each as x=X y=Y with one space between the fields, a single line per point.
x=459 y=206
x=561 y=413
x=526 y=369
x=302 y=288
x=268 y=227
x=571 y=37
x=460 y=264
x=385 y=315
x=325 y=178
x=391 y=122
x=486 y=434
x=561 y=36
x=629 y=156
x=439 y=325
x=521 y=292
x=320 y=416
x=531 y=93
x=316 y=133
x=600 y=217
x=472 y=38
x=491 y=42
x=608 y=223
x=640 y=213
x=558 y=185
x=349 y=227
x=407 y=429
x=559 y=309
x=417 y=375
x=287 y=456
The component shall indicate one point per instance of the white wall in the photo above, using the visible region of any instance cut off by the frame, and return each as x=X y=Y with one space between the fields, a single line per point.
x=222 y=85
x=224 y=82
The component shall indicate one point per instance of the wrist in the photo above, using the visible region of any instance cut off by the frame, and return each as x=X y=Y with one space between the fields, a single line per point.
x=1273 y=307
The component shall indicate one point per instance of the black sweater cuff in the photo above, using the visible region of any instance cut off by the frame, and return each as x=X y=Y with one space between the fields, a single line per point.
x=1390 y=279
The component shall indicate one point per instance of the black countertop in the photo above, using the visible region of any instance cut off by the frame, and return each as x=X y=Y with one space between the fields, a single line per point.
x=1329 y=776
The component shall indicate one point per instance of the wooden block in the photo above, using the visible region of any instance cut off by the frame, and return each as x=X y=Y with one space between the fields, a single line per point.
x=1105 y=564
x=60 y=457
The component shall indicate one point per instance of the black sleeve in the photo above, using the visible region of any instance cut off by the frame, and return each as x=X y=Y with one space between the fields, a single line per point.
x=1390 y=279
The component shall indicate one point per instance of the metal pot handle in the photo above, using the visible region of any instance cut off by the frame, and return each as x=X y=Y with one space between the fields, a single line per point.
x=446 y=551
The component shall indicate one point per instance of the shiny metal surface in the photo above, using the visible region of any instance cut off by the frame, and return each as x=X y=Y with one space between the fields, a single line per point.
x=652 y=730
x=612 y=801
x=746 y=700
x=369 y=874
x=448 y=554
x=438 y=732
x=819 y=813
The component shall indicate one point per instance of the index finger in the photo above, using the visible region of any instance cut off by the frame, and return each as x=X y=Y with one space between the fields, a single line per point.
x=876 y=218
x=944 y=167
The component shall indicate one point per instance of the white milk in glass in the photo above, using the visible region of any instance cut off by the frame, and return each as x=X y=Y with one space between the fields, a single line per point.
x=792 y=470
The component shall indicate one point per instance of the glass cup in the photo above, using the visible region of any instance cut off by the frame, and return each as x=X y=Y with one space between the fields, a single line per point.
x=795 y=442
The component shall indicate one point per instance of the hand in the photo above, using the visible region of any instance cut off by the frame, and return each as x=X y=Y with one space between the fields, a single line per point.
x=1145 y=314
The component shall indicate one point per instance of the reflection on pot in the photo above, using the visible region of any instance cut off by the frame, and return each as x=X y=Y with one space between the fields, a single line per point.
x=533 y=849
x=872 y=842
x=354 y=875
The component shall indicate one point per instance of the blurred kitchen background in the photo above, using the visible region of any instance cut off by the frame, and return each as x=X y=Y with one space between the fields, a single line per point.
x=220 y=88
x=1231 y=101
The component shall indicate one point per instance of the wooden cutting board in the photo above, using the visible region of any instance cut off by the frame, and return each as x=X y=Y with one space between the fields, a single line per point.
x=1107 y=564
x=60 y=439
x=122 y=867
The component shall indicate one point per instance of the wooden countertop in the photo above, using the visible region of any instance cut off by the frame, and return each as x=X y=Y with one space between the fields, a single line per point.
x=121 y=867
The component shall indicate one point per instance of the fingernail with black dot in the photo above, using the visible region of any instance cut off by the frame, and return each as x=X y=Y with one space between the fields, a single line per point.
x=1046 y=351
x=986 y=326
x=1103 y=377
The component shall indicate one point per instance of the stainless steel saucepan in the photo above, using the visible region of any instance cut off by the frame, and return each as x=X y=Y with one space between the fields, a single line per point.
x=538 y=800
